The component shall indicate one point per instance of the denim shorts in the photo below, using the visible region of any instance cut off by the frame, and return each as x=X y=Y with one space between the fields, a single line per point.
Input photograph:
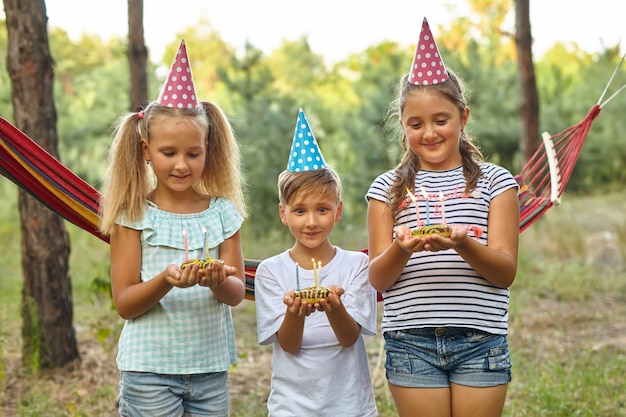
x=158 y=395
x=435 y=357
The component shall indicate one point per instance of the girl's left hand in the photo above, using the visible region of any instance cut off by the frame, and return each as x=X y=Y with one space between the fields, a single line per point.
x=215 y=274
x=435 y=243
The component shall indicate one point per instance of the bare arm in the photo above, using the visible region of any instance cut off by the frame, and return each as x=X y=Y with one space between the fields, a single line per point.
x=387 y=258
x=292 y=328
x=346 y=329
x=496 y=262
x=131 y=296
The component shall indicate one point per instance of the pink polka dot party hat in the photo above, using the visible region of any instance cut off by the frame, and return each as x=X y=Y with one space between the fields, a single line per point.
x=427 y=67
x=179 y=89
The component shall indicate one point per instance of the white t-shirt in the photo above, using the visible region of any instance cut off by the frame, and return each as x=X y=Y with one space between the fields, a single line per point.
x=323 y=378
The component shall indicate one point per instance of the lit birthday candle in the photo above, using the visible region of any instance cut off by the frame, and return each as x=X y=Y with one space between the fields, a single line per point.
x=425 y=194
x=443 y=208
x=417 y=207
x=186 y=240
x=316 y=267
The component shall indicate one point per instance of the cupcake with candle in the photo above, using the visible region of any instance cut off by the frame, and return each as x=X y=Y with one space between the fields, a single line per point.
x=441 y=228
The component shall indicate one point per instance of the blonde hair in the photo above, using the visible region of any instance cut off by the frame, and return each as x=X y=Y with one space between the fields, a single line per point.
x=406 y=170
x=322 y=182
x=128 y=179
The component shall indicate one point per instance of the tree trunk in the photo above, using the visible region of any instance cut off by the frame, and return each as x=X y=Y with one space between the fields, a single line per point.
x=529 y=106
x=137 y=55
x=48 y=336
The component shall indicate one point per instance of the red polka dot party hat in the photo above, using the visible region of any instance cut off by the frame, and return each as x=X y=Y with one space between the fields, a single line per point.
x=428 y=67
x=179 y=89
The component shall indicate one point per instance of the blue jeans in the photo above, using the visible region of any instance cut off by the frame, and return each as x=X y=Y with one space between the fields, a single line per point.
x=436 y=357
x=144 y=394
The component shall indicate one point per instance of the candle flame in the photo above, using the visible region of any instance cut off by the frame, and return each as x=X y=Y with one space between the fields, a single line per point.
x=316 y=267
x=411 y=196
x=424 y=193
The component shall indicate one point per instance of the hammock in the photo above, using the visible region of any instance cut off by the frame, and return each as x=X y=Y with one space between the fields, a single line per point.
x=542 y=180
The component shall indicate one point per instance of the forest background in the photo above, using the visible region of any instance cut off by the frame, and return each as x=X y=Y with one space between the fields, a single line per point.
x=346 y=103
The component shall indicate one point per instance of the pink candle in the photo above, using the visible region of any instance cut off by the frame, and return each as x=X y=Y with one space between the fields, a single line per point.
x=186 y=245
x=425 y=195
x=417 y=207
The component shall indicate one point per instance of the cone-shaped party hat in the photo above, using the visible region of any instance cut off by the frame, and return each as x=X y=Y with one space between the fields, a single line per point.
x=179 y=89
x=427 y=67
x=305 y=153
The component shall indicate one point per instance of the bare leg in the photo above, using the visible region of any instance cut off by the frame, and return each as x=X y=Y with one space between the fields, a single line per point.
x=478 y=402
x=421 y=402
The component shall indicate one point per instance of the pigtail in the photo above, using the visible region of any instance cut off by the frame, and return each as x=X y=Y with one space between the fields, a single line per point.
x=222 y=171
x=127 y=179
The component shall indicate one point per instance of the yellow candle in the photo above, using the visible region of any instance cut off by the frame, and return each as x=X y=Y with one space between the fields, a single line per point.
x=443 y=209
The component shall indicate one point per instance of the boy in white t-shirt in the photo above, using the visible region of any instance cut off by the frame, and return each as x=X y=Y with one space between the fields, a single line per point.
x=319 y=359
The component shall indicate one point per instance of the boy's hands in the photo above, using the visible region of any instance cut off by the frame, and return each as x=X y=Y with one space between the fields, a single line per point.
x=333 y=301
x=295 y=305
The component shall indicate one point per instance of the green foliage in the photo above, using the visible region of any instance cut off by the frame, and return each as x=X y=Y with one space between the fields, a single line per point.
x=3 y=367
x=31 y=338
x=346 y=103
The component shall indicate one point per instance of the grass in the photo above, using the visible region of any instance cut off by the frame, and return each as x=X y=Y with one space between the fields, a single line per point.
x=567 y=328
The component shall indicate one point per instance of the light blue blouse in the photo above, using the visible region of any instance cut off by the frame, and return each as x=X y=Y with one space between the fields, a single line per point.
x=189 y=331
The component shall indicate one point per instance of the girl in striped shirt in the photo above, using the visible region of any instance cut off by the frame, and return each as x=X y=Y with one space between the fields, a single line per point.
x=446 y=299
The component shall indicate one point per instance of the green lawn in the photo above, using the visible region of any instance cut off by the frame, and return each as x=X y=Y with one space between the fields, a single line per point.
x=567 y=327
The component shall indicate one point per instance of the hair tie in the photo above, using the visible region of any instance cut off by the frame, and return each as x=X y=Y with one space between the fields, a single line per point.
x=140 y=115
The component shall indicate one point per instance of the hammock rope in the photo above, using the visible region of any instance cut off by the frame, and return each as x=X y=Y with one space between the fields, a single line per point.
x=542 y=180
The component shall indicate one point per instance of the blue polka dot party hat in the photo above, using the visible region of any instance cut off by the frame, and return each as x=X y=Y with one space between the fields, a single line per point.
x=305 y=153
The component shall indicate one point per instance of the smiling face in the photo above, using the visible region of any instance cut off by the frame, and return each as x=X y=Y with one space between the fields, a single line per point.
x=432 y=125
x=177 y=151
x=311 y=217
